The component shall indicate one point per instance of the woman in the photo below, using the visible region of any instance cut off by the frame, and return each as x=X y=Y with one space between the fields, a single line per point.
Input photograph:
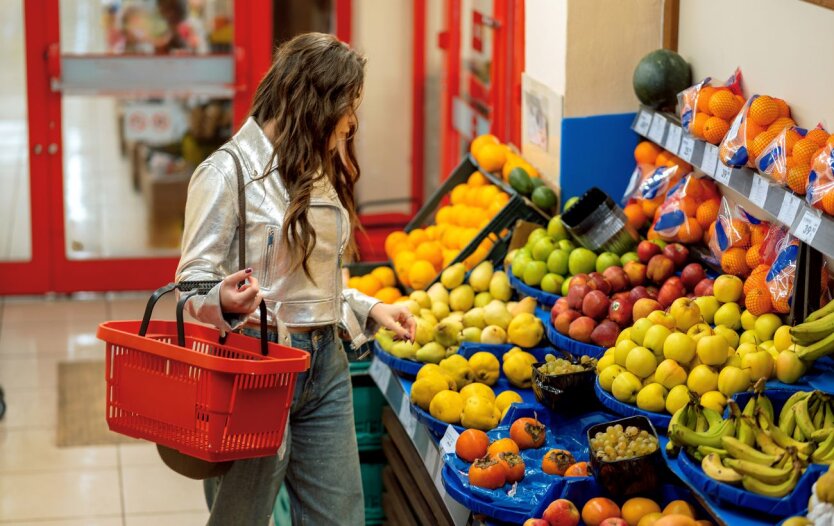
x=300 y=170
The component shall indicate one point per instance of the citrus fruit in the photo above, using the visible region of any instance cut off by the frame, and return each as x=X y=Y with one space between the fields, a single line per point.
x=818 y=136
x=784 y=110
x=754 y=256
x=751 y=130
x=520 y=181
x=417 y=236
x=388 y=294
x=724 y=104
x=679 y=507
x=757 y=301
x=690 y=231
x=707 y=212
x=421 y=273
x=715 y=128
x=828 y=203
x=394 y=239
x=758 y=233
x=512 y=161
x=781 y=123
x=635 y=215
x=480 y=141
x=636 y=508
x=697 y=127
x=662 y=158
x=544 y=198
x=431 y=251
x=753 y=281
x=704 y=95
x=354 y=282
x=491 y=157
x=646 y=152
x=385 y=275
x=760 y=143
x=763 y=110
x=798 y=179
x=733 y=261
x=369 y=285
x=477 y=179
x=803 y=150
x=739 y=233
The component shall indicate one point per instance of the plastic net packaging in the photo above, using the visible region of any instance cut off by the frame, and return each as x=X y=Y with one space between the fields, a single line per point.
x=689 y=209
x=706 y=111
x=760 y=120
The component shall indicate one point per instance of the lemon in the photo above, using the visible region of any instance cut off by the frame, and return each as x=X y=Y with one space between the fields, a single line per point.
x=424 y=389
x=478 y=413
x=447 y=406
x=505 y=399
x=477 y=389
x=485 y=366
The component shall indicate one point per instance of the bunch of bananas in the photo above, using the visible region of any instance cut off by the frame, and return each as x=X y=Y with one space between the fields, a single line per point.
x=815 y=336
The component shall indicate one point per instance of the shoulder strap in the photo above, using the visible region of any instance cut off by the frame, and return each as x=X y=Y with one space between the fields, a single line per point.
x=241 y=200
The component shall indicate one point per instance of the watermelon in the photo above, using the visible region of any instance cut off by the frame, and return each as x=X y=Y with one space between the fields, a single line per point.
x=659 y=77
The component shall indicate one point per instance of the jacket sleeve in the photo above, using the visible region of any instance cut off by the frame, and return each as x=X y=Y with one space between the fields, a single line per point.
x=361 y=306
x=210 y=227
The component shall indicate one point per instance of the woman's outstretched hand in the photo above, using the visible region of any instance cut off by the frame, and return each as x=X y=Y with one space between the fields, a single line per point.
x=243 y=299
x=396 y=318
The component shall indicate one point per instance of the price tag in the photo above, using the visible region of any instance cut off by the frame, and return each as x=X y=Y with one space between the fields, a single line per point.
x=380 y=373
x=658 y=128
x=723 y=173
x=808 y=226
x=644 y=120
x=407 y=419
x=790 y=205
x=673 y=139
x=710 y=161
x=758 y=191
x=450 y=437
x=687 y=148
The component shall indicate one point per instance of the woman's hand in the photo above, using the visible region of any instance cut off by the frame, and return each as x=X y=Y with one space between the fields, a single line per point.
x=239 y=300
x=396 y=318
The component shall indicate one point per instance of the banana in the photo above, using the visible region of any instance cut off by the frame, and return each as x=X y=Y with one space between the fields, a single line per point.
x=701 y=424
x=813 y=331
x=776 y=491
x=766 y=443
x=743 y=430
x=707 y=450
x=826 y=309
x=672 y=449
x=817 y=349
x=821 y=434
x=714 y=469
x=688 y=437
x=783 y=440
x=790 y=402
x=828 y=420
x=824 y=453
x=803 y=418
x=713 y=417
x=683 y=416
x=741 y=451
x=819 y=416
x=697 y=455
x=788 y=424
x=765 y=474
x=763 y=403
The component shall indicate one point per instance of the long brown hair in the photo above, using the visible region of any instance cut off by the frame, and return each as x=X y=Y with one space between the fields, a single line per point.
x=314 y=81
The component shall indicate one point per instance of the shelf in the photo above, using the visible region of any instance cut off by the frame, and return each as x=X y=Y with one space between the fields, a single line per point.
x=783 y=206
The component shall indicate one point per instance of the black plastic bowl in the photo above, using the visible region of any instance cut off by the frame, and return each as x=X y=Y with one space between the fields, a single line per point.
x=565 y=392
x=631 y=476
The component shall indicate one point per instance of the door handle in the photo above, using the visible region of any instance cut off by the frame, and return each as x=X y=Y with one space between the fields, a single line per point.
x=37 y=149
x=52 y=149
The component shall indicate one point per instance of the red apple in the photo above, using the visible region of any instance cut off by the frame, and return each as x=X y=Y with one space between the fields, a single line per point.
x=597 y=282
x=559 y=307
x=704 y=287
x=646 y=250
x=671 y=290
x=561 y=512
x=581 y=328
x=692 y=274
x=605 y=334
x=617 y=277
x=636 y=272
x=536 y=522
x=596 y=304
x=652 y=290
x=638 y=293
x=577 y=293
x=621 y=311
x=579 y=279
x=615 y=521
x=621 y=296
x=643 y=307
x=677 y=253
x=563 y=321
x=660 y=268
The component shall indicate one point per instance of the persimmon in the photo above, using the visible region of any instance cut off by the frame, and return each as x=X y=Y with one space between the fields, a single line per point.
x=598 y=509
x=557 y=461
x=528 y=433
x=502 y=445
x=579 y=469
x=487 y=473
x=513 y=466
x=472 y=444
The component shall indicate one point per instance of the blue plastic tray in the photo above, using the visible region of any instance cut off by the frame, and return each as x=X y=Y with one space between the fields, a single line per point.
x=403 y=367
x=544 y=298
x=561 y=341
x=659 y=420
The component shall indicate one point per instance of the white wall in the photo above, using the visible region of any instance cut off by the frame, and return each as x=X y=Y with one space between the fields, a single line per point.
x=545 y=35
x=782 y=46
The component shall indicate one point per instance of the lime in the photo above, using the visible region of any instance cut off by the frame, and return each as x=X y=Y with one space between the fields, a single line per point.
x=544 y=198
x=520 y=181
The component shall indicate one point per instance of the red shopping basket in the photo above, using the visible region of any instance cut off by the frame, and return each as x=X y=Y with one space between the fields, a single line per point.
x=184 y=386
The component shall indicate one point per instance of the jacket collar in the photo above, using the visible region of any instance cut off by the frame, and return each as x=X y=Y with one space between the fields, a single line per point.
x=255 y=148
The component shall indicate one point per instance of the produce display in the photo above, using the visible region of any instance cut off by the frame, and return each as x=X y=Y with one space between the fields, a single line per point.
x=618 y=443
x=706 y=111
x=657 y=171
x=558 y=366
x=759 y=122
x=820 y=504
x=602 y=511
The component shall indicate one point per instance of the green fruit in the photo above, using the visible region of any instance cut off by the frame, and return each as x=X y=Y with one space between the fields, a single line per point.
x=607 y=259
x=544 y=198
x=566 y=286
x=536 y=182
x=556 y=229
x=659 y=242
x=552 y=283
x=582 y=261
x=520 y=181
x=570 y=202
x=543 y=248
x=519 y=263
x=534 y=236
x=557 y=262
x=629 y=256
x=567 y=245
x=659 y=77
x=534 y=273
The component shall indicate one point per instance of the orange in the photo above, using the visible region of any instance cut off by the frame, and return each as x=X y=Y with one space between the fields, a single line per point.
x=635 y=215
x=791 y=138
x=443 y=215
x=688 y=205
x=697 y=127
x=679 y=507
x=529 y=168
x=691 y=231
x=830 y=141
x=758 y=302
x=762 y=140
x=638 y=507
x=781 y=123
x=707 y=212
x=385 y=275
x=704 y=95
x=417 y=236
x=598 y=509
x=513 y=160
x=715 y=128
x=431 y=251
x=798 y=179
x=458 y=193
x=763 y=110
x=724 y=104
x=369 y=284
x=388 y=294
x=818 y=136
x=477 y=179
x=394 y=239
x=828 y=203
x=816 y=155
x=449 y=256
x=751 y=130
x=491 y=157
x=781 y=304
x=662 y=158
x=403 y=261
x=480 y=141
x=754 y=281
x=675 y=520
x=646 y=152
x=754 y=256
x=650 y=206
x=758 y=233
x=803 y=150
x=733 y=261
x=354 y=282
x=739 y=233
x=421 y=274
x=784 y=110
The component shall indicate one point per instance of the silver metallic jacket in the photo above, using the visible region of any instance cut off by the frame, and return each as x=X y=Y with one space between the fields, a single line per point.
x=210 y=244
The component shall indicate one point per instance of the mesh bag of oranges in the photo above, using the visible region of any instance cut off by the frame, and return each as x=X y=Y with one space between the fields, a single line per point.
x=688 y=210
x=736 y=234
x=780 y=277
x=820 y=189
x=789 y=157
x=706 y=111
x=759 y=122
x=648 y=190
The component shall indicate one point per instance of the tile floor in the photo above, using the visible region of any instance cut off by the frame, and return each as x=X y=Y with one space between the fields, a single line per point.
x=43 y=485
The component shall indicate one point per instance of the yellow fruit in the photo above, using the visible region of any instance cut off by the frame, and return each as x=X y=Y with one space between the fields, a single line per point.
x=447 y=406
x=485 y=366
x=431 y=369
x=421 y=274
x=477 y=389
x=526 y=330
x=478 y=413
x=458 y=368
x=635 y=509
x=424 y=389
x=504 y=400
x=385 y=275
x=518 y=368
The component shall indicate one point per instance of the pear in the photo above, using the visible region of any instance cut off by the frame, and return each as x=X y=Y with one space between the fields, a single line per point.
x=452 y=350
x=422 y=298
x=438 y=294
x=482 y=299
x=461 y=298
x=527 y=304
x=474 y=318
x=481 y=276
x=511 y=305
x=493 y=334
x=472 y=334
x=499 y=286
x=496 y=314
x=413 y=306
x=431 y=352
x=429 y=316
x=447 y=333
x=440 y=310
x=405 y=350
x=453 y=276
x=455 y=316
x=424 y=332
x=385 y=338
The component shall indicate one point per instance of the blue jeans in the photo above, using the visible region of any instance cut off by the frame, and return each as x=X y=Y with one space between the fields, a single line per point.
x=321 y=465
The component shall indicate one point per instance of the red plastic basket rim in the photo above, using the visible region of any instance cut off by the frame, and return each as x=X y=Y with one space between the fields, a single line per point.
x=281 y=359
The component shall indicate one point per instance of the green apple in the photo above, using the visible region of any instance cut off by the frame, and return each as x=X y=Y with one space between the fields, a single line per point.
x=520 y=264
x=625 y=387
x=534 y=273
x=625 y=334
x=698 y=331
x=789 y=367
x=607 y=259
x=679 y=347
x=639 y=329
x=748 y=320
x=566 y=286
x=581 y=260
x=782 y=338
x=768 y=346
x=629 y=256
x=652 y=398
x=621 y=351
x=678 y=397
x=712 y=350
x=767 y=325
x=556 y=229
x=702 y=379
x=543 y=247
x=557 y=262
x=727 y=288
x=655 y=338
x=714 y=400
x=552 y=283
x=728 y=334
x=670 y=373
x=566 y=245
x=709 y=306
x=641 y=362
x=526 y=251
x=660 y=317
x=729 y=314
x=534 y=236
x=732 y=380
x=759 y=363
x=749 y=336
x=686 y=313
x=606 y=377
x=570 y=202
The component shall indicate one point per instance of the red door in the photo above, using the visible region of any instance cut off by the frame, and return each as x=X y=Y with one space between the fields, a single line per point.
x=119 y=105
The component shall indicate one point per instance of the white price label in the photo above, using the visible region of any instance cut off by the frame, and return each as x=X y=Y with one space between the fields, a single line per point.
x=790 y=205
x=808 y=226
x=644 y=120
x=658 y=128
x=673 y=139
x=758 y=191
x=450 y=437
x=406 y=418
x=710 y=161
x=723 y=173
x=687 y=148
x=380 y=373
